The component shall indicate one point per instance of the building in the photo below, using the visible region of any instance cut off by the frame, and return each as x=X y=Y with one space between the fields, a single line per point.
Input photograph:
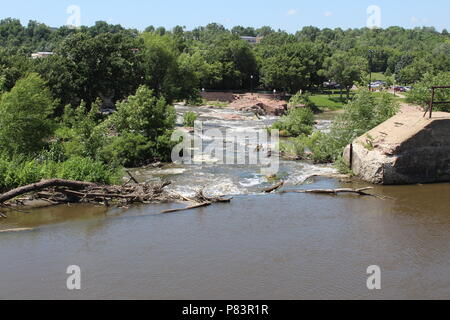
x=252 y=40
x=39 y=55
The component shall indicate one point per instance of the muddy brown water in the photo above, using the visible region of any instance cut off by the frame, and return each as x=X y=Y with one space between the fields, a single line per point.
x=291 y=246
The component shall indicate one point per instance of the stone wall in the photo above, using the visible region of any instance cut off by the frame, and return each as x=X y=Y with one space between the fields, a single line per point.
x=406 y=149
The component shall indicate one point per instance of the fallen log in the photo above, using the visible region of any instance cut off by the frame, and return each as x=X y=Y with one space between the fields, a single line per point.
x=97 y=195
x=275 y=187
x=200 y=205
x=360 y=192
x=131 y=177
x=44 y=185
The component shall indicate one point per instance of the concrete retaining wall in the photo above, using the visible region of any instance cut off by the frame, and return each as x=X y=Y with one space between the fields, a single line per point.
x=406 y=149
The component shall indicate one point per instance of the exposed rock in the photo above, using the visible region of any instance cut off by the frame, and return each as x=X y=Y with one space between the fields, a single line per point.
x=228 y=116
x=260 y=104
x=406 y=149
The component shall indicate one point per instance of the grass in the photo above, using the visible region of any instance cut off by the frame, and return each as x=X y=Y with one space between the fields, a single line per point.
x=218 y=104
x=378 y=76
x=20 y=172
x=329 y=102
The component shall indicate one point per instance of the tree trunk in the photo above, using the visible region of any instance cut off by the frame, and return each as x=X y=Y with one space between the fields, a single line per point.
x=43 y=185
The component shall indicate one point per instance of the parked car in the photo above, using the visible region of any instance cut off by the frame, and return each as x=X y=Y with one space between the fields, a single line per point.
x=331 y=85
x=399 y=89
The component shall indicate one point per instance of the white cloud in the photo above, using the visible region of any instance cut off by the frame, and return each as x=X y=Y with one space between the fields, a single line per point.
x=414 y=19
x=328 y=14
x=291 y=12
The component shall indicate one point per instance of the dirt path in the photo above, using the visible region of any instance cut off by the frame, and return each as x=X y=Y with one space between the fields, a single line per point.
x=404 y=106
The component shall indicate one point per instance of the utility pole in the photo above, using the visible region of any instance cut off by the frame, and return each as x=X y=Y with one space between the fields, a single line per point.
x=370 y=67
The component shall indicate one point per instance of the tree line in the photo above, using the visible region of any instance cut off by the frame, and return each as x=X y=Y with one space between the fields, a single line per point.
x=110 y=61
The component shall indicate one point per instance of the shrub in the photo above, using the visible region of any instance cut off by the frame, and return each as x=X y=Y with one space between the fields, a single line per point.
x=189 y=119
x=144 y=113
x=297 y=122
x=20 y=171
x=24 y=116
x=81 y=132
x=129 y=149
x=362 y=114
x=196 y=101
x=135 y=150
x=421 y=94
x=295 y=147
x=144 y=124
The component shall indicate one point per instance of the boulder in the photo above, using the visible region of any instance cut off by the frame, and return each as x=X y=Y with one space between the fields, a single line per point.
x=406 y=149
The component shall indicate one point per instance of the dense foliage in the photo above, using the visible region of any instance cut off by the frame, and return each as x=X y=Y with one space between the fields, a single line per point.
x=362 y=114
x=298 y=121
x=54 y=110
x=422 y=93
x=189 y=119
x=24 y=116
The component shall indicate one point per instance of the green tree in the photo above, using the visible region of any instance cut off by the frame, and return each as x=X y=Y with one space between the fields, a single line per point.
x=414 y=72
x=292 y=67
x=144 y=113
x=106 y=65
x=81 y=132
x=362 y=114
x=346 y=69
x=25 y=112
x=421 y=93
x=144 y=124
x=160 y=66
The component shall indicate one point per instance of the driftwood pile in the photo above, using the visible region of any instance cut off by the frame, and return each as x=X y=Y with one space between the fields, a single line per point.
x=200 y=200
x=57 y=191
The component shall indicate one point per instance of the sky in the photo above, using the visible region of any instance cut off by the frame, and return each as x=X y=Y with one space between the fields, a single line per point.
x=288 y=15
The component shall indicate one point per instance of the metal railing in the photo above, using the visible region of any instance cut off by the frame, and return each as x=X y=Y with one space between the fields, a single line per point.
x=432 y=102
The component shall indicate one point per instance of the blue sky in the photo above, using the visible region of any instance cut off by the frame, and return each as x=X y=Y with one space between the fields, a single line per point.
x=289 y=15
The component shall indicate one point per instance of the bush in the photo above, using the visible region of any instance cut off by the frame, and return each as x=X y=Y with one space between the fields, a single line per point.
x=144 y=113
x=295 y=147
x=81 y=132
x=189 y=119
x=362 y=114
x=19 y=171
x=196 y=101
x=24 y=116
x=135 y=150
x=301 y=99
x=144 y=124
x=129 y=149
x=421 y=94
x=297 y=122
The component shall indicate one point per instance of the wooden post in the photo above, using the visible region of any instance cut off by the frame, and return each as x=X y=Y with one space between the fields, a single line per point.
x=432 y=102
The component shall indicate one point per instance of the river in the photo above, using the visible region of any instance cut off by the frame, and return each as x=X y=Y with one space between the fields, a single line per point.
x=290 y=246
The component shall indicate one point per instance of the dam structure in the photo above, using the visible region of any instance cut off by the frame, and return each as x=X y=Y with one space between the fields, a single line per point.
x=406 y=149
